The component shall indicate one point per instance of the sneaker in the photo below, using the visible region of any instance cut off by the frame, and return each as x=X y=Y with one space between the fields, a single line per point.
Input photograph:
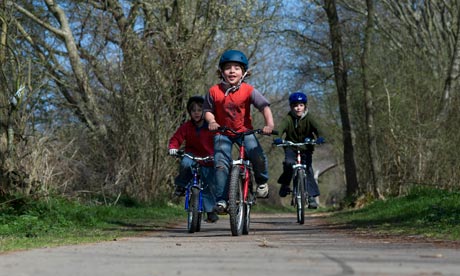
x=212 y=217
x=312 y=204
x=284 y=190
x=262 y=191
x=221 y=207
x=179 y=191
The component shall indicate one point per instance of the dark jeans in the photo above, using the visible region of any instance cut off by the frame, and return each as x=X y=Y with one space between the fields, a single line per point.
x=290 y=157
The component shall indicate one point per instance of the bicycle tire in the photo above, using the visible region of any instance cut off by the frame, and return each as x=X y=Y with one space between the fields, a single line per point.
x=194 y=212
x=236 y=210
x=200 y=208
x=300 y=200
x=251 y=200
x=247 y=219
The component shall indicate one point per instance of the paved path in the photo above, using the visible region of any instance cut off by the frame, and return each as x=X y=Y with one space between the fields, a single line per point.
x=276 y=246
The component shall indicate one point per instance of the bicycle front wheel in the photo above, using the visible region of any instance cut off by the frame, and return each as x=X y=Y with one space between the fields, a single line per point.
x=247 y=218
x=236 y=209
x=300 y=198
x=194 y=212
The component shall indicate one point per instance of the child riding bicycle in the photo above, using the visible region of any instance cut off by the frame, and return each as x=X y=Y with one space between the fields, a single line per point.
x=198 y=142
x=298 y=125
x=228 y=104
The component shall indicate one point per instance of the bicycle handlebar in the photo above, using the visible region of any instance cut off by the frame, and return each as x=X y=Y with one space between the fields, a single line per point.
x=292 y=144
x=248 y=132
x=182 y=153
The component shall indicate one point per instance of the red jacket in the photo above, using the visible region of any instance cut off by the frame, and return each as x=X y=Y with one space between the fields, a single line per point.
x=199 y=141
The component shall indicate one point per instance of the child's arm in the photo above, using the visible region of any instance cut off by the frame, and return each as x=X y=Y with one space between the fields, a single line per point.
x=212 y=124
x=176 y=140
x=268 y=116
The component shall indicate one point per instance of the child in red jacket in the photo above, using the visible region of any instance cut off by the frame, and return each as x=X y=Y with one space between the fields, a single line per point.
x=198 y=142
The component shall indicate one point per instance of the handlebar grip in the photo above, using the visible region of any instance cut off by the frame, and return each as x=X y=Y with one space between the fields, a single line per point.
x=275 y=132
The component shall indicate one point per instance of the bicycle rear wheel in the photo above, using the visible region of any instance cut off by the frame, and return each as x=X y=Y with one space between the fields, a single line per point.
x=194 y=212
x=236 y=209
x=300 y=199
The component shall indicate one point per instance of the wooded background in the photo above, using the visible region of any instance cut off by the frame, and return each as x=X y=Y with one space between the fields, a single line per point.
x=91 y=91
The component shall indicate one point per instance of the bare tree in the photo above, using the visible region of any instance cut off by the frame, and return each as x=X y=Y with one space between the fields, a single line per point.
x=376 y=184
x=83 y=100
x=413 y=83
x=453 y=76
x=126 y=69
x=340 y=74
x=12 y=88
x=434 y=28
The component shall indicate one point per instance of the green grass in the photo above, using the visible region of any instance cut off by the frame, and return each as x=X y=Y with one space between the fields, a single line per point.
x=26 y=224
x=424 y=212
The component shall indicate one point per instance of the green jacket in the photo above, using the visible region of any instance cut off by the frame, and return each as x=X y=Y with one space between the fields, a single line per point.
x=296 y=129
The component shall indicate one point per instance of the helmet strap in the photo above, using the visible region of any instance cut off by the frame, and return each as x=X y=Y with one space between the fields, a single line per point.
x=305 y=113
x=232 y=89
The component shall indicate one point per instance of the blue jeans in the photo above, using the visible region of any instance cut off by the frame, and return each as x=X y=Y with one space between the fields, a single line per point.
x=290 y=158
x=207 y=176
x=223 y=161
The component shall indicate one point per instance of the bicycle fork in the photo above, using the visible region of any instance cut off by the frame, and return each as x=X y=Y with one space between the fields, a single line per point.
x=244 y=172
x=194 y=185
x=297 y=167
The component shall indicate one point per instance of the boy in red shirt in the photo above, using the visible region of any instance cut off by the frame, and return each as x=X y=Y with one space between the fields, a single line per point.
x=229 y=104
x=198 y=142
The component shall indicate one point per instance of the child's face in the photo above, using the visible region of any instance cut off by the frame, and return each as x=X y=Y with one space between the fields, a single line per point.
x=298 y=109
x=196 y=112
x=232 y=72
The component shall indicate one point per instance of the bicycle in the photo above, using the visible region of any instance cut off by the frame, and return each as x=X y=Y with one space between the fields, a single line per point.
x=299 y=178
x=241 y=190
x=194 y=192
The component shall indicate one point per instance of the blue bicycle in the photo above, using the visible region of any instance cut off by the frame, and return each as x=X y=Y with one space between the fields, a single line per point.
x=194 y=192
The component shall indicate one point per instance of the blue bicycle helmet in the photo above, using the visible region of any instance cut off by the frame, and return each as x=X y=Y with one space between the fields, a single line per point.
x=298 y=97
x=234 y=56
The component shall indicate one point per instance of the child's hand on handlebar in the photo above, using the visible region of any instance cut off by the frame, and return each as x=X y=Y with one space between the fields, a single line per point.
x=267 y=130
x=213 y=125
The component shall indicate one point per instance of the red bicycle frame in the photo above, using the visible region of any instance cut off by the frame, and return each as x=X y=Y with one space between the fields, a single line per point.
x=246 y=172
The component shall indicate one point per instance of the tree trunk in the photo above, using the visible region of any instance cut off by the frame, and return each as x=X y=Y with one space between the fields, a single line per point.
x=374 y=161
x=3 y=94
x=452 y=80
x=340 y=74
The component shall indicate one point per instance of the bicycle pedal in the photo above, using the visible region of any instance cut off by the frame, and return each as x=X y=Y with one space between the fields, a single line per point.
x=220 y=210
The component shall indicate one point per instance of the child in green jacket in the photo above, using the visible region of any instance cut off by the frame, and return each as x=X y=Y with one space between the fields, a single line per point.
x=297 y=126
